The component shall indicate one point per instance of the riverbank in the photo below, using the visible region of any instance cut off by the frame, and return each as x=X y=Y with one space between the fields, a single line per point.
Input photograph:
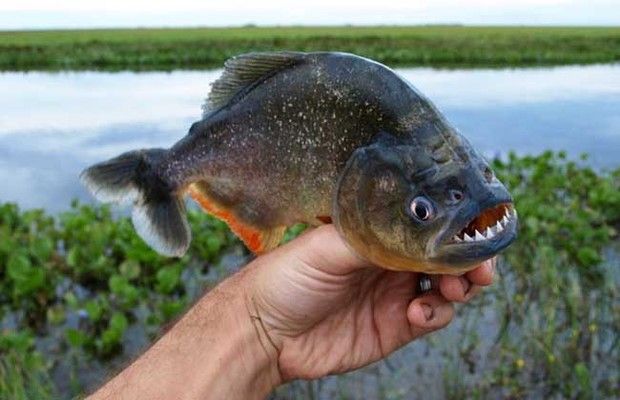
x=199 y=48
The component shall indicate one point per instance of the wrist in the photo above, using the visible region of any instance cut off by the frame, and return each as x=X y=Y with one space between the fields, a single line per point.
x=242 y=362
x=213 y=352
x=260 y=358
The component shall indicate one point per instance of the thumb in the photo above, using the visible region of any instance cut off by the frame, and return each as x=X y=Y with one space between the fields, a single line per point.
x=428 y=313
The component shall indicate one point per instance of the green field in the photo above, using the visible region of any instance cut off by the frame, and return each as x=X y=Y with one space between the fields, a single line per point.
x=195 y=48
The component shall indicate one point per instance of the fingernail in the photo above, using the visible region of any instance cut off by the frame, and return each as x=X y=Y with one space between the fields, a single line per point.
x=465 y=283
x=428 y=311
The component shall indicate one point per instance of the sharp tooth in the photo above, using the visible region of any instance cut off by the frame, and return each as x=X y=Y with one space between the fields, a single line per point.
x=457 y=239
x=478 y=236
x=499 y=227
x=490 y=233
x=467 y=238
x=505 y=220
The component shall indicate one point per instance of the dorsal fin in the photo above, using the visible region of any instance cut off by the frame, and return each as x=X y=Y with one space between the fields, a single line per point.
x=243 y=70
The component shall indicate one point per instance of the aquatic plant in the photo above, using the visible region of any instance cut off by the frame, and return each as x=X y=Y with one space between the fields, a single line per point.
x=557 y=299
x=81 y=286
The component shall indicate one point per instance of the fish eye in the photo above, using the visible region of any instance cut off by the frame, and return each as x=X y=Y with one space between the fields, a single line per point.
x=421 y=208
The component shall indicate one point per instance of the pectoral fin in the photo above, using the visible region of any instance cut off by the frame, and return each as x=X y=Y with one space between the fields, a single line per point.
x=258 y=240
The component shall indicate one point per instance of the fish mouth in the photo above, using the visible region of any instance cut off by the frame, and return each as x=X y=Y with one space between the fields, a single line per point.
x=483 y=236
x=492 y=223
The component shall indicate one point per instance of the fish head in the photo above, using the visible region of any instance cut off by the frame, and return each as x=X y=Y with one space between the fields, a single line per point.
x=401 y=209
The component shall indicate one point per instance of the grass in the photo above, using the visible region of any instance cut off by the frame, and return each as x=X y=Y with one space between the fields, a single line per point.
x=23 y=372
x=82 y=281
x=196 y=48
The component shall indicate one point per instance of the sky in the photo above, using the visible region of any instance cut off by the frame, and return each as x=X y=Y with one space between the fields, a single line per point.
x=46 y=14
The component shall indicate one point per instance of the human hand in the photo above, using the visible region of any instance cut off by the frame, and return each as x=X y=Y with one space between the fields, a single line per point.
x=307 y=309
x=321 y=310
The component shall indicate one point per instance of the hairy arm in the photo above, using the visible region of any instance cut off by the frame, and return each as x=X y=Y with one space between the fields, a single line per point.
x=213 y=352
x=305 y=310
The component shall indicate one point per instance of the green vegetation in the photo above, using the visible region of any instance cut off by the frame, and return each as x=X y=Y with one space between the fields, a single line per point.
x=194 y=48
x=80 y=283
x=80 y=280
x=558 y=301
x=23 y=373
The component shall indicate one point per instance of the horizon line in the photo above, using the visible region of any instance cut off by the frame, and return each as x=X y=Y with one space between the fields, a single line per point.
x=267 y=26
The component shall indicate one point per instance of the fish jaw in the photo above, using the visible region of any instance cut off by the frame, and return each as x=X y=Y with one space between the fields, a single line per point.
x=486 y=233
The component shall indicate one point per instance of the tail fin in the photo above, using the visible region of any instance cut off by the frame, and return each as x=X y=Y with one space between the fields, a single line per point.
x=158 y=214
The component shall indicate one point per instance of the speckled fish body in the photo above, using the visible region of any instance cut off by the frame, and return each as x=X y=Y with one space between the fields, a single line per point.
x=315 y=137
x=274 y=154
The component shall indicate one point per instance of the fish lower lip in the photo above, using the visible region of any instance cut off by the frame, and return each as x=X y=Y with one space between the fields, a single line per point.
x=491 y=224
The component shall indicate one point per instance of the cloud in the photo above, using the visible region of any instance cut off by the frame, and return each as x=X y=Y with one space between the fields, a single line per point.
x=25 y=14
x=240 y=5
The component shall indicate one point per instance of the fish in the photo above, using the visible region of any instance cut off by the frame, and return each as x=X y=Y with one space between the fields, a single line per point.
x=319 y=138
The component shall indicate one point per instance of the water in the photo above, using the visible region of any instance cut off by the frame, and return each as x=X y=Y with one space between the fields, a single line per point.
x=52 y=125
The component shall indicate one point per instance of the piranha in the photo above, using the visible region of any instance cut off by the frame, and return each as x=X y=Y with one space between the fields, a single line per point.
x=323 y=137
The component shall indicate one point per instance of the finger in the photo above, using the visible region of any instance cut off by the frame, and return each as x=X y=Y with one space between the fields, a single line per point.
x=457 y=288
x=463 y=288
x=483 y=275
x=428 y=313
x=324 y=249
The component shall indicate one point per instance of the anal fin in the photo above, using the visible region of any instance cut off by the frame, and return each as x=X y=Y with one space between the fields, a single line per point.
x=258 y=240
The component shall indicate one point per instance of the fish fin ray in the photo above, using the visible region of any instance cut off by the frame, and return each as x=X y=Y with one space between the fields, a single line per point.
x=258 y=240
x=158 y=211
x=242 y=71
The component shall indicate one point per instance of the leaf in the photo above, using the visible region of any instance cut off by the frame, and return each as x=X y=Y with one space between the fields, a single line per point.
x=167 y=279
x=20 y=341
x=42 y=248
x=125 y=291
x=56 y=315
x=118 y=322
x=75 y=337
x=71 y=300
x=583 y=376
x=117 y=284
x=214 y=245
x=588 y=256
x=171 y=309
x=26 y=278
x=94 y=310
x=73 y=257
x=17 y=264
x=130 y=269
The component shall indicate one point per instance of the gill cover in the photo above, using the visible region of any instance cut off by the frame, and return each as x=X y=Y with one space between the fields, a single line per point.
x=370 y=210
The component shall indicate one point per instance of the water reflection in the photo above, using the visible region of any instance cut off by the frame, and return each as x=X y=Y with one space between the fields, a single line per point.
x=54 y=124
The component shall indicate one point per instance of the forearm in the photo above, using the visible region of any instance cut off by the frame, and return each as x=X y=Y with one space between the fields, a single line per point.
x=214 y=352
